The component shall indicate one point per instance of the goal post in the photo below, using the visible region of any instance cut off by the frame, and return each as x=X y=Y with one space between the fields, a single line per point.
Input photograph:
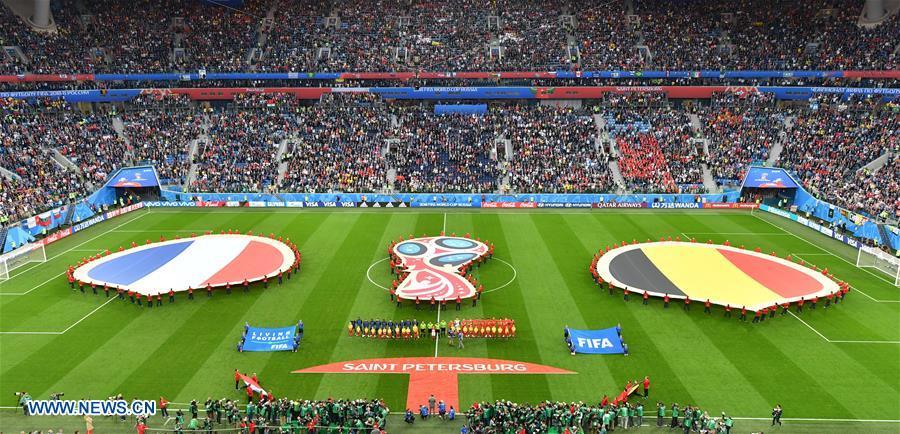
x=33 y=252
x=870 y=257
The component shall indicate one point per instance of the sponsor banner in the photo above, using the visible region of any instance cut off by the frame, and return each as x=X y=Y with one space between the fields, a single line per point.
x=211 y=204
x=812 y=225
x=88 y=223
x=675 y=205
x=564 y=205
x=730 y=205
x=172 y=204
x=384 y=204
x=56 y=236
x=124 y=210
x=442 y=205
x=605 y=341
x=619 y=205
x=274 y=204
x=509 y=205
x=329 y=204
x=293 y=204
x=257 y=204
x=269 y=339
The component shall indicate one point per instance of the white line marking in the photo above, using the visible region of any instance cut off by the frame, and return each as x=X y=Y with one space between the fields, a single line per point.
x=841 y=341
x=140 y=231
x=686 y=237
x=67 y=251
x=437 y=337
x=821 y=248
x=67 y=328
x=809 y=326
x=851 y=286
x=508 y=282
x=444 y=229
x=401 y=210
x=736 y=233
x=89 y=314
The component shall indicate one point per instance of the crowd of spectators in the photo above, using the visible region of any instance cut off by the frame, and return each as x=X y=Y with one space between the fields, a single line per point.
x=571 y=417
x=350 y=142
x=453 y=153
x=453 y=35
x=554 y=151
x=39 y=183
x=657 y=154
x=827 y=147
x=241 y=152
x=269 y=415
x=161 y=136
x=338 y=146
x=740 y=130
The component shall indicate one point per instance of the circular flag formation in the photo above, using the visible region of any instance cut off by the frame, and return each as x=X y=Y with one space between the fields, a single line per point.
x=434 y=265
x=214 y=260
x=725 y=275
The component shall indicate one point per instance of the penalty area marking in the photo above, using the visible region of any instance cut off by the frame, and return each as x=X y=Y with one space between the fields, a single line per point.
x=854 y=288
x=833 y=341
x=508 y=282
x=66 y=329
x=829 y=252
x=63 y=253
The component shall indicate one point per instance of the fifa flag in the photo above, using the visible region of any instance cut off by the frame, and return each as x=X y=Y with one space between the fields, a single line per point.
x=605 y=341
x=269 y=339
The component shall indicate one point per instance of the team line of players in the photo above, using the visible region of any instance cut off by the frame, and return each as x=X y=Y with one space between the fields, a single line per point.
x=415 y=329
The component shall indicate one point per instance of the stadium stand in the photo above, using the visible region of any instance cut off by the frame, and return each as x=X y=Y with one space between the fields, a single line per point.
x=458 y=35
x=363 y=144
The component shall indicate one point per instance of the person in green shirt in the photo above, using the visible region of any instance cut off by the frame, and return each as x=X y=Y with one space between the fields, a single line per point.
x=639 y=412
x=686 y=423
x=660 y=413
x=674 y=416
x=729 y=423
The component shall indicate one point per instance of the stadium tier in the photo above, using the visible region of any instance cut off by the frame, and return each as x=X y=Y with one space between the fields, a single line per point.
x=456 y=35
x=843 y=150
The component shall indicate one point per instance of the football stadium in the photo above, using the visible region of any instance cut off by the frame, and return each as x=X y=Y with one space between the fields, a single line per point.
x=449 y=216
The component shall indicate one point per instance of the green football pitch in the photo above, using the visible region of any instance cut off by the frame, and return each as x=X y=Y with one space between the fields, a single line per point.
x=837 y=369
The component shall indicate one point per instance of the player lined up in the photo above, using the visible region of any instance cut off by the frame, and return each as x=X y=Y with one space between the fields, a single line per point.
x=502 y=328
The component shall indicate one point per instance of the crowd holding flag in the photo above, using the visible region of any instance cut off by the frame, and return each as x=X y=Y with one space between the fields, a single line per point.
x=135 y=297
x=401 y=273
x=760 y=315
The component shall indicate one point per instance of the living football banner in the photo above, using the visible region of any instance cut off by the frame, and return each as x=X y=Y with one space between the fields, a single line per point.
x=269 y=339
x=605 y=341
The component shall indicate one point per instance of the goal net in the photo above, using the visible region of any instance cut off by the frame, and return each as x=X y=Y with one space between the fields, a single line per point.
x=26 y=254
x=869 y=257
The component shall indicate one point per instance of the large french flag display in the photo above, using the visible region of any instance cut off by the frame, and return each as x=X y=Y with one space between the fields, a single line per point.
x=214 y=260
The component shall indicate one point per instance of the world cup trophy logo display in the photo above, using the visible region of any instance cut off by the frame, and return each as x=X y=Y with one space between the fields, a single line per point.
x=433 y=267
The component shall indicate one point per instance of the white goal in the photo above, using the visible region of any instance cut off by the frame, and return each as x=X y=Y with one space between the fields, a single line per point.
x=26 y=254
x=869 y=257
